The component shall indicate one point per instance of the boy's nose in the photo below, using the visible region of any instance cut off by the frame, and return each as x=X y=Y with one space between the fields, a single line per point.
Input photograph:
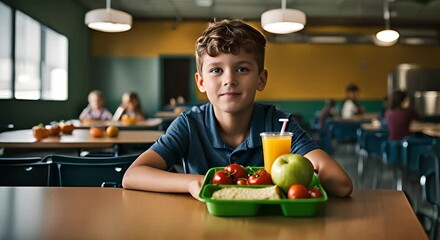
x=229 y=78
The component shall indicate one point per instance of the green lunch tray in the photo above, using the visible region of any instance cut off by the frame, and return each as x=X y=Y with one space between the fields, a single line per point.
x=305 y=207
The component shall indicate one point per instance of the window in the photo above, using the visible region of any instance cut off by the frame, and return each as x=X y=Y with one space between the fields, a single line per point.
x=5 y=51
x=27 y=57
x=40 y=59
x=54 y=66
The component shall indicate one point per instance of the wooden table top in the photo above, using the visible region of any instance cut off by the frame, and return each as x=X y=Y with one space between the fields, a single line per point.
x=114 y=213
x=167 y=114
x=148 y=123
x=415 y=126
x=433 y=132
x=358 y=118
x=80 y=138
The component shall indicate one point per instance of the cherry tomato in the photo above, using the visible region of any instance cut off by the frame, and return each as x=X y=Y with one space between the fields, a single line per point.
x=298 y=191
x=222 y=177
x=242 y=181
x=315 y=193
x=237 y=171
x=260 y=177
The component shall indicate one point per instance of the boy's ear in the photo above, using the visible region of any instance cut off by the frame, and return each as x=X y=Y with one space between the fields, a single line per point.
x=262 y=80
x=200 y=82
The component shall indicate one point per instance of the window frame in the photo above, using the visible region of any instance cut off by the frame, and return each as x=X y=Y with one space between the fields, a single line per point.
x=44 y=77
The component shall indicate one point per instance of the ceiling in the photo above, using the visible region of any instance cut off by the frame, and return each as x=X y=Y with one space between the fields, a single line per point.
x=418 y=21
x=404 y=13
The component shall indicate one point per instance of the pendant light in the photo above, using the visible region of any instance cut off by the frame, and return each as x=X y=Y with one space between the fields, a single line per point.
x=282 y=20
x=108 y=20
x=387 y=36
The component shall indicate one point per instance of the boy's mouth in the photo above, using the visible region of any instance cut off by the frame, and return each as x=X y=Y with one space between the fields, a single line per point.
x=230 y=94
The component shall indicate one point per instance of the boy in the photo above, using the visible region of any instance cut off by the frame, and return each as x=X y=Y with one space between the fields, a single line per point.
x=351 y=106
x=96 y=109
x=230 y=69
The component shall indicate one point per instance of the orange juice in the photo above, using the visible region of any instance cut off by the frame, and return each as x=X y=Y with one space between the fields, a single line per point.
x=274 y=145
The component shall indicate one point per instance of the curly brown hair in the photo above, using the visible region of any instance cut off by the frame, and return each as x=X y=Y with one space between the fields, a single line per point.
x=230 y=36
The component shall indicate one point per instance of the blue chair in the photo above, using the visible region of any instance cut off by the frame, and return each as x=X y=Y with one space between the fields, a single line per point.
x=391 y=157
x=342 y=131
x=91 y=171
x=370 y=146
x=430 y=184
x=325 y=140
x=24 y=171
x=412 y=150
x=415 y=148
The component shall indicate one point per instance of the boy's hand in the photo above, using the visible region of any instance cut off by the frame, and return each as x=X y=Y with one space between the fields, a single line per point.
x=194 y=188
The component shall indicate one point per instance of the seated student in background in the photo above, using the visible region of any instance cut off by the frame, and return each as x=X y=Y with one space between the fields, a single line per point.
x=351 y=106
x=95 y=110
x=131 y=106
x=399 y=115
x=328 y=111
x=230 y=70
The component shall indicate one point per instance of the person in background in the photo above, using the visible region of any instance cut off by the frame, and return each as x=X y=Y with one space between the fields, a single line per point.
x=328 y=111
x=351 y=106
x=399 y=115
x=171 y=105
x=180 y=100
x=230 y=70
x=381 y=119
x=95 y=110
x=131 y=106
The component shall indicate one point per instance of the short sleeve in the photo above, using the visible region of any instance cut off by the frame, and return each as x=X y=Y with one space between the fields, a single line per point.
x=172 y=146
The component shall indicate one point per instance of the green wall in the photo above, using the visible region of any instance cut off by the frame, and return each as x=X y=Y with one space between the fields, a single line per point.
x=67 y=18
x=116 y=75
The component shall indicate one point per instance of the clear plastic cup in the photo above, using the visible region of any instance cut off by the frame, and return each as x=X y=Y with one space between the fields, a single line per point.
x=274 y=145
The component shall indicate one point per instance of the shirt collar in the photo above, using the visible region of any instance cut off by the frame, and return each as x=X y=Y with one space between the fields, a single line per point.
x=256 y=127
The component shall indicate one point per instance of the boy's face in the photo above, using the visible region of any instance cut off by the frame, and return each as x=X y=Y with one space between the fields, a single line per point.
x=95 y=101
x=231 y=81
x=353 y=94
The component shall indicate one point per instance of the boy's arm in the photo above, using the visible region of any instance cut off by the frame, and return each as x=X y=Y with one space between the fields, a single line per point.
x=149 y=173
x=331 y=175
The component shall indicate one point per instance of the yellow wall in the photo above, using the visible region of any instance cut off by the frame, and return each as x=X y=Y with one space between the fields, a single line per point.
x=296 y=71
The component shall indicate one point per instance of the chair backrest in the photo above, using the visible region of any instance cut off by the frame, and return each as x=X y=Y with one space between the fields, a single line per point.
x=344 y=131
x=413 y=149
x=430 y=180
x=91 y=171
x=26 y=171
x=430 y=186
x=371 y=142
x=391 y=151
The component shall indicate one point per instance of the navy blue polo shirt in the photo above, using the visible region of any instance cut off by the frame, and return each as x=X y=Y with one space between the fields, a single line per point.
x=193 y=141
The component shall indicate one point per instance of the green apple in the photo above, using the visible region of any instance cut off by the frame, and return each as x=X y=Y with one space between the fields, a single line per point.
x=290 y=169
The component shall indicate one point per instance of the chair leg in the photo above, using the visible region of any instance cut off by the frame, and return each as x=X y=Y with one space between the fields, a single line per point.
x=361 y=160
x=434 y=226
x=377 y=176
x=399 y=179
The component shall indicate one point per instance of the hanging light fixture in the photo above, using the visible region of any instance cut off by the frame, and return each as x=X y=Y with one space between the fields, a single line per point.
x=282 y=20
x=387 y=36
x=108 y=20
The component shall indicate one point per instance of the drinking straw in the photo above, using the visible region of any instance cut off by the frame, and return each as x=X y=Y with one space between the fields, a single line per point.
x=283 y=128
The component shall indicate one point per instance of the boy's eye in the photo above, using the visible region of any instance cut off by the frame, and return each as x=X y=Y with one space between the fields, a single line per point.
x=242 y=69
x=215 y=70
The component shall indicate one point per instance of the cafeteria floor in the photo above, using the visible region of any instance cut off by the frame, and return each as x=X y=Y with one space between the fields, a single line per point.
x=347 y=157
